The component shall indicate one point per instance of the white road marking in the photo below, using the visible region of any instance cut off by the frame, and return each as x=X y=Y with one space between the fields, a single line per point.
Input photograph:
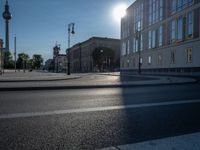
x=183 y=142
x=107 y=108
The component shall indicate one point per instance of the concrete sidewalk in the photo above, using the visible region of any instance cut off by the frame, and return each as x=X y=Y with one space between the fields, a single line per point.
x=11 y=76
x=182 y=142
x=52 y=81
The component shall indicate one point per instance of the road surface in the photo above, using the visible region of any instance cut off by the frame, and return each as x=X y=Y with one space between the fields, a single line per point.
x=96 y=118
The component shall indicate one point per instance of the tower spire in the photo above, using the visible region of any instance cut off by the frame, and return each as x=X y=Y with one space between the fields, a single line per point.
x=7 y=16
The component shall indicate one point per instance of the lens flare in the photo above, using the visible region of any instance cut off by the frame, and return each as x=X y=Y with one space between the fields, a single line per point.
x=119 y=12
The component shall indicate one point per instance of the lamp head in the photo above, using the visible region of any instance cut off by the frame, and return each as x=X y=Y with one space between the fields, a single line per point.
x=73 y=32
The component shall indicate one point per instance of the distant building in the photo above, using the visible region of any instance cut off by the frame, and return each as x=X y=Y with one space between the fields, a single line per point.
x=60 y=63
x=59 y=60
x=82 y=59
x=161 y=36
x=49 y=65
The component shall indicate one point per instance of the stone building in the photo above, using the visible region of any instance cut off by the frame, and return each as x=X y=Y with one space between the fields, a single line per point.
x=81 y=55
x=60 y=63
x=59 y=60
x=49 y=65
x=161 y=36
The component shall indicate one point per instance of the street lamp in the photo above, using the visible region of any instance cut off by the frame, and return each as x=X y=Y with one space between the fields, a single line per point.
x=70 y=31
x=137 y=35
x=1 y=55
x=15 y=51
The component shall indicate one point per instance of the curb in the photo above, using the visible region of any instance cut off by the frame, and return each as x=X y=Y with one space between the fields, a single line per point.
x=90 y=86
x=42 y=80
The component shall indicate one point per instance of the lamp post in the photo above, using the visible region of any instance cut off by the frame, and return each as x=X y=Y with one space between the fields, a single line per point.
x=139 y=52
x=70 y=31
x=80 y=57
x=15 y=52
x=1 y=55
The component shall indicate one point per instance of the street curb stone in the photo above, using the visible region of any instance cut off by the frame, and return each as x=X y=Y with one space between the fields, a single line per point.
x=89 y=86
x=40 y=80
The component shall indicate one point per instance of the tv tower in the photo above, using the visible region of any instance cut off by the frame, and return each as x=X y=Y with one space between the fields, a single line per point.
x=7 y=16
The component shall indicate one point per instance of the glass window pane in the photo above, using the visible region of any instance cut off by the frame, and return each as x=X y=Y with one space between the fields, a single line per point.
x=180 y=28
x=190 y=24
x=161 y=36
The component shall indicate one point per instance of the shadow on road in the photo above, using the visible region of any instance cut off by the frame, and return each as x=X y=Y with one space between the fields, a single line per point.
x=146 y=123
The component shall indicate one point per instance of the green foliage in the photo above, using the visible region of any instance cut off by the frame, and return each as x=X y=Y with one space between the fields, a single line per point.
x=22 y=60
x=37 y=61
x=30 y=63
x=8 y=62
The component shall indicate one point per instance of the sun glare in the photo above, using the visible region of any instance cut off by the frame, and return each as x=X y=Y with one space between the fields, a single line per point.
x=119 y=11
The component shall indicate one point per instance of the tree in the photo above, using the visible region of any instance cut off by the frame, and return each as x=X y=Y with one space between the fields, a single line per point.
x=103 y=58
x=37 y=61
x=22 y=60
x=8 y=61
x=30 y=63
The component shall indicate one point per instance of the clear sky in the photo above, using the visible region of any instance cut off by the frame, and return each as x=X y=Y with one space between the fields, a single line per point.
x=38 y=24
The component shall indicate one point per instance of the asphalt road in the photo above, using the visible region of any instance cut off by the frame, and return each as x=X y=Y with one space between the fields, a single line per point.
x=96 y=118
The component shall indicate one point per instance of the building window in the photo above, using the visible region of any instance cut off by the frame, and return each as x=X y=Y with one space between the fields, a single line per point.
x=152 y=39
x=155 y=11
x=128 y=47
x=125 y=27
x=178 y=5
x=141 y=61
x=173 y=31
x=135 y=45
x=138 y=18
x=190 y=24
x=180 y=28
x=138 y=43
x=161 y=10
x=190 y=2
x=134 y=42
x=173 y=7
x=172 y=57
x=123 y=52
x=149 y=35
x=189 y=55
x=141 y=42
x=160 y=39
x=149 y=60
x=128 y=24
